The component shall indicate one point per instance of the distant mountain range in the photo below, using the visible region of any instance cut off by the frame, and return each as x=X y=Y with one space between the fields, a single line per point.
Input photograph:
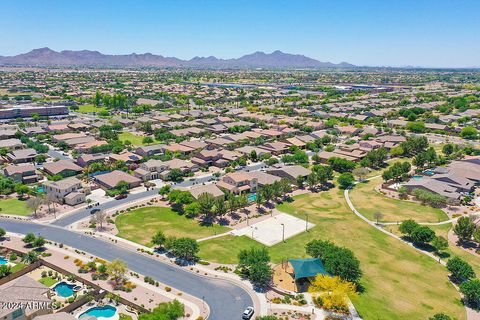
x=276 y=59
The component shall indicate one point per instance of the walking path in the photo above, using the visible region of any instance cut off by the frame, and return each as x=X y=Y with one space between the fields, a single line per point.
x=471 y=314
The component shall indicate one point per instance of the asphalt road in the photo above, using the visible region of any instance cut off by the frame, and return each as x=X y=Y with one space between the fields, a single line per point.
x=226 y=300
x=84 y=213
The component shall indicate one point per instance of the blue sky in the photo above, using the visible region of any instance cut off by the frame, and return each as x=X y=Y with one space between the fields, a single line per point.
x=431 y=33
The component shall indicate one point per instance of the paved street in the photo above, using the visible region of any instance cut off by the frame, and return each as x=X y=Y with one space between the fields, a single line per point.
x=84 y=213
x=226 y=300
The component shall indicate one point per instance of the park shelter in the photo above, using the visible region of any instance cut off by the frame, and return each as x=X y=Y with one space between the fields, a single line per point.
x=295 y=274
x=307 y=268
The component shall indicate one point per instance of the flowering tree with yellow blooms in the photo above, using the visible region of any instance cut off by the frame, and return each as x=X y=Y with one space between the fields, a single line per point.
x=332 y=293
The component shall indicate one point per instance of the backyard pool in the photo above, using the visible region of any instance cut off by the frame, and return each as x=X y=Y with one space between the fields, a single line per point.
x=252 y=197
x=104 y=312
x=64 y=289
x=429 y=172
x=3 y=260
x=417 y=177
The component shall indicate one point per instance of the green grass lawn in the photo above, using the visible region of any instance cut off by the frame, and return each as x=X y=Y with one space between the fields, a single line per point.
x=452 y=250
x=90 y=108
x=17 y=267
x=141 y=224
x=368 y=201
x=136 y=140
x=225 y=249
x=399 y=282
x=14 y=207
x=48 y=281
x=123 y=316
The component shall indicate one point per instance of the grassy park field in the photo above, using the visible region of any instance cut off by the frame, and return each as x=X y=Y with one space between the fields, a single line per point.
x=141 y=224
x=89 y=108
x=14 y=207
x=398 y=281
x=369 y=201
x=136 y=140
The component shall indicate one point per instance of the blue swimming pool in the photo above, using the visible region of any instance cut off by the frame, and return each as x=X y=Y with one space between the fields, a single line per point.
x=429 y=172
x=252 y=197
x=3 y=260
x=99 y=312
x=64 y=289
x=417 y=177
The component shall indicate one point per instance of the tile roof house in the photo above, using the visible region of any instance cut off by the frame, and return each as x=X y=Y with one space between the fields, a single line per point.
x=22 y=156
x=65 y=168
x=289 y=172
x=238 y=182
x=150 y=150
x=208 y=188
x=87 y=159
x=110 y=180
x=21 y=173
x=68 y=190
x=21 y=291
x=11 y=144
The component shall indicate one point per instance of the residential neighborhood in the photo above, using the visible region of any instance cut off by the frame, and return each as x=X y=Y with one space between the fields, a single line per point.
x=264 y=185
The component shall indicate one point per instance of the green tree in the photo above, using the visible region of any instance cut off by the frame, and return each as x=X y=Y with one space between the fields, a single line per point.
x=407 y=227
x=172 y=310
x=440 y=243
x=30 y=257
x=471 y=291
x=460 y=269
x=469 y=132
x=185 y=248
x=422 y=234
x=21 y=190
x=159 y=238
x=464 y=229
x=2 y=233
x=5 y=270
x=117 y=270
x=254 y=265
x=345 y=180
x=206 y=201
x=220 y=208
x=440 y=316
x=39 y=242
x=29 y=238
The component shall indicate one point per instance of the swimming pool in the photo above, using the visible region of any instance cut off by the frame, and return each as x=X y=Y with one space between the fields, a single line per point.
x=100 y=312
x=417 y=177
x=429 y=172
x=64 y=289
x=252 y=197
x=3 y=260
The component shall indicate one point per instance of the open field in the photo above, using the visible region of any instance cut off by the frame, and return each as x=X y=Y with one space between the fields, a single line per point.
x=14 y=207
x=136 y=140
x=225 y=249
x=452 y=250
x=398 y=281
x=368 y=201
x=90 y=108
x=141 y=224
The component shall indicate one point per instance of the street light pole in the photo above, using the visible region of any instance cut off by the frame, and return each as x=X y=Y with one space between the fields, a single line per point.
x=306 y=222
x=283 y=232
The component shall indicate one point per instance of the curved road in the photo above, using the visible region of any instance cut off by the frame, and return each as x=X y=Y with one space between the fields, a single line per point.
x=225 y=299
